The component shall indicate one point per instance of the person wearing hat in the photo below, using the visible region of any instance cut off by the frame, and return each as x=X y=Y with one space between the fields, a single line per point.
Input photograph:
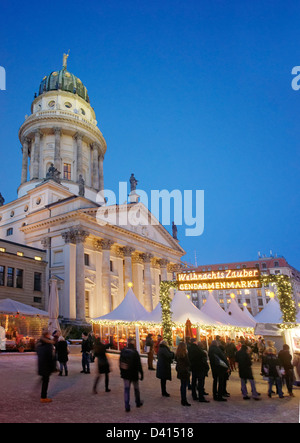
x=272 y=369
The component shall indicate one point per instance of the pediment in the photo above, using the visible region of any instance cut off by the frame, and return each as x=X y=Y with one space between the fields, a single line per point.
x=137 y=219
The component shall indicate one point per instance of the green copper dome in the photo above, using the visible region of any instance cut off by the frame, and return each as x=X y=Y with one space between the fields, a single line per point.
x=64 y=81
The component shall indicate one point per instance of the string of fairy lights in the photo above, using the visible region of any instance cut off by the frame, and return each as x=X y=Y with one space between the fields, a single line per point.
x=284 y=293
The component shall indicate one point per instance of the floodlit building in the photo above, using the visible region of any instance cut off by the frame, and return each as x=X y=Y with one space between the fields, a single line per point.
x=60 y=197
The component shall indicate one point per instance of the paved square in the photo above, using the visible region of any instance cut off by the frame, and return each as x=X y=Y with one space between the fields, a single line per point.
x=74 y=402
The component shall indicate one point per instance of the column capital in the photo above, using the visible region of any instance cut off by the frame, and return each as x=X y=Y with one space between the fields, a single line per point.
x=107 y=244
x=137 y=258
x=75 y=235
x=128 y=250
x=147 y=257
x=46 y=242
x=78 y=136
x=25 y=140
x=38 y=133
x=57 y=130
x=163 y=262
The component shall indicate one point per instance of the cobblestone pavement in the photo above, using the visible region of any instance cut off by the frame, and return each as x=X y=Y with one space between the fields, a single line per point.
x=74 y=402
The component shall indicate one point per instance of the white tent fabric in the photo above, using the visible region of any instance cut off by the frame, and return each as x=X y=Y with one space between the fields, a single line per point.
x=182 y=310
x=8 y=306
x=53 y=307
x=129 y=310
x=214 y=310
x=270 y=314
x=240 y=316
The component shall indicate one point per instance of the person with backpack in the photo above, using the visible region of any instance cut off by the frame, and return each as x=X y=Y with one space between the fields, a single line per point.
x=130 y=370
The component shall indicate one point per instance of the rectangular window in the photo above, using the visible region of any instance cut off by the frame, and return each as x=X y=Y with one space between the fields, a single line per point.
x=10 y=277
x=9 y=231
x=67 y=171
x=111 y=266
x=19 y=279
x=86 y=259
x=37 y=281
x=2 y=275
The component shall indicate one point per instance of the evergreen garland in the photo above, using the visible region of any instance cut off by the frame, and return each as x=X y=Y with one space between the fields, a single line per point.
x=165 y=300
x=285 y=297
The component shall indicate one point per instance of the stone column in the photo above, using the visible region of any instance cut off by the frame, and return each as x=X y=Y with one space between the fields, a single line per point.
x=95 y=183
x=106 y=281
x=137 y=276
x=35 y=156
x=101 y=177
x=57 y=165
x=127 y=266
x=25 y=151
x=163 y=269
x=147 y=281
x=79 y=171
x=78 y=236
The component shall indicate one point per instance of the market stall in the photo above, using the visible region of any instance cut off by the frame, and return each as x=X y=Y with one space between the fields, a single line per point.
x=129 y=319
x=23 y=324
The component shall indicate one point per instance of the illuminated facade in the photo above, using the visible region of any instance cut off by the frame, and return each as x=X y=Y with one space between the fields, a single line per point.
x=56 y=210
x=251 y=296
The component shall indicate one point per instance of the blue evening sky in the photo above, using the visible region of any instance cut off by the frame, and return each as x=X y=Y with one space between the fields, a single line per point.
x=188 y=95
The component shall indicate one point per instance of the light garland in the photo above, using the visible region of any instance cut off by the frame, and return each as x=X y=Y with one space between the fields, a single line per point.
x=285 y=297
x=165 y=301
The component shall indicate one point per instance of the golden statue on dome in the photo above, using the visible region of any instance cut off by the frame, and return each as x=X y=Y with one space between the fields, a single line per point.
x=65 y=59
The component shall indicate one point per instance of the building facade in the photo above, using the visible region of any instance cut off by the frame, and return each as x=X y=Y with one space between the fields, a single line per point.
x=58 y=205
x=23 y=274
x=255 y=299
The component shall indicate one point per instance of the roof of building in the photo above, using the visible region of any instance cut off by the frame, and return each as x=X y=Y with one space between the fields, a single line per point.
x=65 y=81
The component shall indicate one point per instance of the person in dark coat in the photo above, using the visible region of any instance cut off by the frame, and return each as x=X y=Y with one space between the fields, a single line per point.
x=150 y=351
x=220 y=368
x=183 y=371
x=243 y=359
x=230 y=350
x=199 y=367
x=103 y=364
x=62 y=355
x=46 y=362
x=285 y=360
x=85 y=350
x=271 y=369
x=163 y=367
x=131 y=369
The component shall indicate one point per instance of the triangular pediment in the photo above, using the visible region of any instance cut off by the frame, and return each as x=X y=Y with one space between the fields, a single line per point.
x=137 y=219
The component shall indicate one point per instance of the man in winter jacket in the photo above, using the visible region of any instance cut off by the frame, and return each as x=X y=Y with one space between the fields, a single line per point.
x=131 y=368
x=46 y=362
x=199 y=369
x=219 y=368
x=245 y=372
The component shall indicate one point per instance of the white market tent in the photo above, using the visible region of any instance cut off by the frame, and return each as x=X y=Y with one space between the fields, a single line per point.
x=129 y=310
x=12 y=307
x=182 y=310
x=270 y=314
x=214 y=310
x=242 y=317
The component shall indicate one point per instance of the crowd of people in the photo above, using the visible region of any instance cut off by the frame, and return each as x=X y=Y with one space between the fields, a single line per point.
x=193 y=360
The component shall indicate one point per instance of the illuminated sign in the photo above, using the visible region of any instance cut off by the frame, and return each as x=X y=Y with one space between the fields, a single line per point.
x=218 y=280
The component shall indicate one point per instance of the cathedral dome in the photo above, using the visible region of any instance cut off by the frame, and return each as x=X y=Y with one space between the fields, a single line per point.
x=65 y=81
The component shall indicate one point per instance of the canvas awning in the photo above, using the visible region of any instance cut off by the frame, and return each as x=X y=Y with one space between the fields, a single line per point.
x=8 y=306
x=242 y=317
x=130 y=310
x=270 y=314
x=214 y=310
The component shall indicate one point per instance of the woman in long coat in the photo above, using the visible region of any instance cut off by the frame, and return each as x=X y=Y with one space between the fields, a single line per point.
x=183 y=371
x=163 y=368
x=103 y=364
x=46 y=362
